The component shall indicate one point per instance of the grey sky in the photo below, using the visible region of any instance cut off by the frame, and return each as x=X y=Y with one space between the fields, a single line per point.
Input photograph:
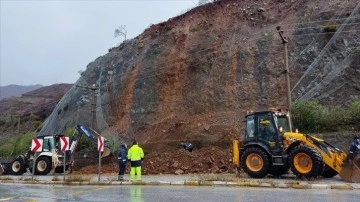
x=48 y=42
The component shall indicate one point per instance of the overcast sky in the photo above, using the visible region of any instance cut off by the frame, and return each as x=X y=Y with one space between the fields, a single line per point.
x=47 y=42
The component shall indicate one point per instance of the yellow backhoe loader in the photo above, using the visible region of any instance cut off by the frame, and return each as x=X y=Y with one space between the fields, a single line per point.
x=269 y=147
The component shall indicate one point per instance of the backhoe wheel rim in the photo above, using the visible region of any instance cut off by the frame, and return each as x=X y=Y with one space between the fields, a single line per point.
x=16 y=166
x=41 y=166
x=303 y=163
x=254 y=162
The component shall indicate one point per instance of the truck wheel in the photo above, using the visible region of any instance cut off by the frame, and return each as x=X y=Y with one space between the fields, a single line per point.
x=18 y=167
x=328 y=172
x=255 y=162
x=43 y=165
x=305 y=162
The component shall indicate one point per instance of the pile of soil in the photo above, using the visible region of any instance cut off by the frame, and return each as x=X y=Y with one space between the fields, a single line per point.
x=211 y=159
x=165 y=159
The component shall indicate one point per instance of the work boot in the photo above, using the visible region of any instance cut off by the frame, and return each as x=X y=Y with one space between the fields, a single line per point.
x=120 y=178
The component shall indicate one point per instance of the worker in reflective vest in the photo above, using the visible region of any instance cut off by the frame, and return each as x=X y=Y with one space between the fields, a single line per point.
x=135 y=156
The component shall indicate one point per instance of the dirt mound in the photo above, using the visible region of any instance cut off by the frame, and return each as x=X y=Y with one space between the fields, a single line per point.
x=211 y=159
x=173 y=159
x=205 y=160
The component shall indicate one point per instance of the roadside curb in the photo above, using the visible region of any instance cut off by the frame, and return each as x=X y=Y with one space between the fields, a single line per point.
x=249 y=183
x=320 y=186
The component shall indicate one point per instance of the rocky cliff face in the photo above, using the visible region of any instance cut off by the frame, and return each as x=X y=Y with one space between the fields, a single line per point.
x=194 y=76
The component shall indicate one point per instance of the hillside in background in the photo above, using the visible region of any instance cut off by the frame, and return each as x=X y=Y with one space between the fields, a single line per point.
x=30 y=109
x=194 y=77
x=16 y=90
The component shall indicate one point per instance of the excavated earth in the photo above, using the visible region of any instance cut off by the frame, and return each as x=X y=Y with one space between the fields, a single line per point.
x=175 y=160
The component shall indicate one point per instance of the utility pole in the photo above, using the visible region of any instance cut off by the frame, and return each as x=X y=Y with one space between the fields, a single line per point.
x=18 y=129
x=93 y=105
x=287 y=74
x=93 y=88
x=17 y=118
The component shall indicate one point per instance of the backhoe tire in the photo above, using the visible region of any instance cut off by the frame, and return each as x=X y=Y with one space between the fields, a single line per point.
x=255 y=162
x=306 y=162
x=328 y=172
x=43 y=165
x=18 y=167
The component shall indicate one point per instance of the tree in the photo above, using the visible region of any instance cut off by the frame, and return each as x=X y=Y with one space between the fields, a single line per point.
x=120 y=31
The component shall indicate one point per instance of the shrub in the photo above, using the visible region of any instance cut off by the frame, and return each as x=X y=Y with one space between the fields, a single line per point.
x=23 y=143
x=37 y=125
x=356 y=51
x=308 y=115
x=70 y=132
x=329 y=28
x=355 y=112
x=16 y=145
x=6 y=149
x=141 y=44
x=336 y=119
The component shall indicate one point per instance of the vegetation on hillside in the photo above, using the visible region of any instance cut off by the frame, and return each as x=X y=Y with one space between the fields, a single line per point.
x=17 y=145
x=312 y=117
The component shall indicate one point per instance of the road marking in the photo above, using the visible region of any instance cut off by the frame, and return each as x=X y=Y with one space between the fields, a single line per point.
x=6 y=198
x=88 y=191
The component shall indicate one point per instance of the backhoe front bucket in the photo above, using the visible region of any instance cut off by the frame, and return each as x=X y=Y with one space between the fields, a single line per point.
x=350 y=171
x=106 y=152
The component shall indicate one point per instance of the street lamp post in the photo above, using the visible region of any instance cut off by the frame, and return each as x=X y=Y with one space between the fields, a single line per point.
x=287 y=74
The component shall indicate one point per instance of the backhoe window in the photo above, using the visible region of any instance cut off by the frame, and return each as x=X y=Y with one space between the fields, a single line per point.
x=282 y=121
x=250 y=127
x=266 y=128
x=48 y=144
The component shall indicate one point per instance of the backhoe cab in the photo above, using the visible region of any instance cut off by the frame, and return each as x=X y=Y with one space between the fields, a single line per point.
x=269 y=147
x=51 y=158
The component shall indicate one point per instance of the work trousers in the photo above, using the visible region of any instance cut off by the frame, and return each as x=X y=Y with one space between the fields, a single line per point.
x=137 y=171
x=122 y=168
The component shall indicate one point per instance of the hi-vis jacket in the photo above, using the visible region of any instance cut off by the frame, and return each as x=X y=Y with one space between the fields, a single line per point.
x=135 y=155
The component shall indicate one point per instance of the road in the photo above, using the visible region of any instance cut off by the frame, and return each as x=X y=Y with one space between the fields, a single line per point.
x=141 y=193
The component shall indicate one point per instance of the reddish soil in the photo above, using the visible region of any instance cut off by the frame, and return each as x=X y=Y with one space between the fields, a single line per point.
x=167 y=159
x=210 y=159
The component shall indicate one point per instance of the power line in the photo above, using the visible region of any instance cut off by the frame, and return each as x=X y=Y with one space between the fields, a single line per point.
x=320 y=21
x=326 y=33
x=349 y=24
x=337 y=33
